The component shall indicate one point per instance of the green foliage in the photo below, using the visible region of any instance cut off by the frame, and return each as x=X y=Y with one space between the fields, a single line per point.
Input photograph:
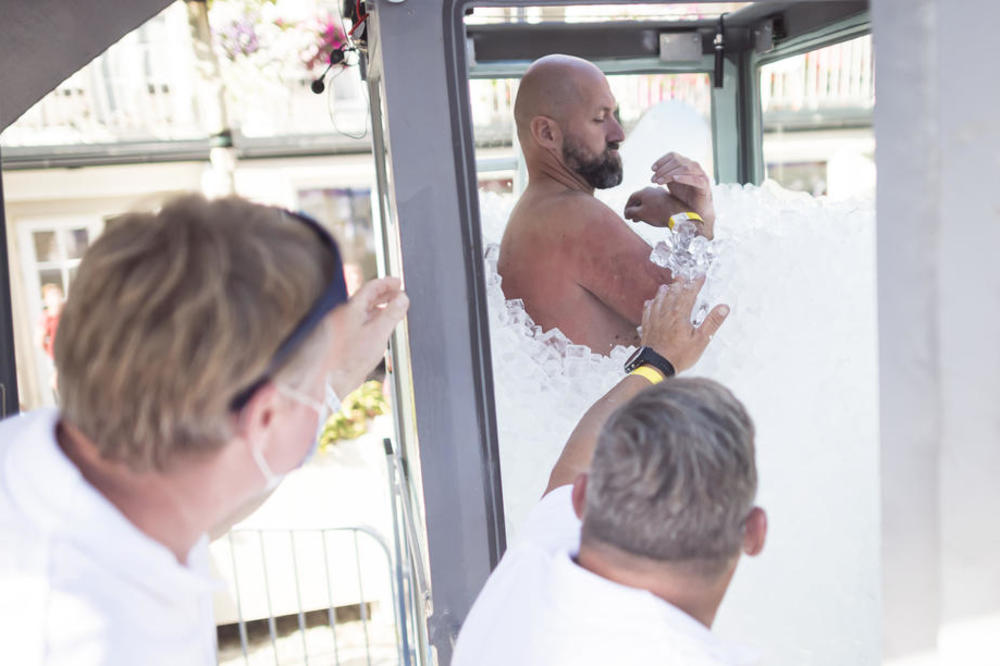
x=356 y=409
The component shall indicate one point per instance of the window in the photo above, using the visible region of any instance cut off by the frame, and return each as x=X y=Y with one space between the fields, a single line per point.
x=817 y=118
x=49 y=251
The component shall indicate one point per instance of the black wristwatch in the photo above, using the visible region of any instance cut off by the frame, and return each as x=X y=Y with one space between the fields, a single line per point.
x=646 y=355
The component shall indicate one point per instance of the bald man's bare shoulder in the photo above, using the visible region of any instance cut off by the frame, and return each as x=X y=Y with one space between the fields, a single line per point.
x=563 y=209
x=556 y=237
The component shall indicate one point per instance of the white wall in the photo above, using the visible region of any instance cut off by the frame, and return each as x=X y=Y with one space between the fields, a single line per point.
x=939 y=289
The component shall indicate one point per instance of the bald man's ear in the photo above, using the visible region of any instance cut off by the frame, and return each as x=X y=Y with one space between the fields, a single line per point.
x=546 y=132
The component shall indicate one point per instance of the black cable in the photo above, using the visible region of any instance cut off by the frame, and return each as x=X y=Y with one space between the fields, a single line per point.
x=720 y=48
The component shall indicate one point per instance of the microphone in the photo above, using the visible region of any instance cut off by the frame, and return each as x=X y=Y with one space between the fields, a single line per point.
x=336 y=57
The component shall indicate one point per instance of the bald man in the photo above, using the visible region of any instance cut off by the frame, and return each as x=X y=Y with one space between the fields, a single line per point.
x=572 y=259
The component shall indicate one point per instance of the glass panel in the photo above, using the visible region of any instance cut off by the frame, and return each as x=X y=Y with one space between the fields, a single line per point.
x=45 y=246
x=659 y=113
x=76 y=241
x=771 y=253
x=817 y=117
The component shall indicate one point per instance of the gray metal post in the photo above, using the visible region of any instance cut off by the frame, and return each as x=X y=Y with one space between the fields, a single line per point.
x=431 y=213
x=726 y=125
x=8 y=369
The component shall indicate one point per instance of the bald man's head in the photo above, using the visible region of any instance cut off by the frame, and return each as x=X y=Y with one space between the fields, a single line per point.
x=552 y=86
x=565 y=109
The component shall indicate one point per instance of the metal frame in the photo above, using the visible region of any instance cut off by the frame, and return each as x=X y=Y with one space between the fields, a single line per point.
x=856 y=24
x=603 y=45
x=431 y=236
x=9 y=403
x=424 y=152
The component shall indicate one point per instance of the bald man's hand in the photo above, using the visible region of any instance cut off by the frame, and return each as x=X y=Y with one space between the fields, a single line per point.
x=685 y=188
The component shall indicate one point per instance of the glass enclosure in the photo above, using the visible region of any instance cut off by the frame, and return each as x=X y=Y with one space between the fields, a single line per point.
x=777 y=245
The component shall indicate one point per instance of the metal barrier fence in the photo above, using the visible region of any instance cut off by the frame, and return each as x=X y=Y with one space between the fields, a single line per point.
x=341 y=596
x=414 y=594
x=320 y=575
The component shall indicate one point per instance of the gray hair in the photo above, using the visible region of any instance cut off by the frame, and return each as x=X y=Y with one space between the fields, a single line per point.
x=673 y=476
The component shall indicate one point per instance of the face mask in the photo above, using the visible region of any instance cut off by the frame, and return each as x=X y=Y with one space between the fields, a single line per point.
x=270 y=477
x=323 y=411
x=330 y=404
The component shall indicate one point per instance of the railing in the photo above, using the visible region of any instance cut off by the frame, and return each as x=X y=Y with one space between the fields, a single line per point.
x=341 y=596
x=290 y=586
x=143 y=88
x=830 y=84
x=492 y=100
x=413 y=592
x=840 y=76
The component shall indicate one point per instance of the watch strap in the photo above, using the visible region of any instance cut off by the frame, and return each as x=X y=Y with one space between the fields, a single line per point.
x=649 y=372
x=648 y=355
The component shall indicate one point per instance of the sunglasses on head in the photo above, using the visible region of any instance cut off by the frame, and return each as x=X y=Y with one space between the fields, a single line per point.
x=333 y=295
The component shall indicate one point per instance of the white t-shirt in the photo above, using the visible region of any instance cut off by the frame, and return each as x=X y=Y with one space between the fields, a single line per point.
x=540 y=608
x=79 y=583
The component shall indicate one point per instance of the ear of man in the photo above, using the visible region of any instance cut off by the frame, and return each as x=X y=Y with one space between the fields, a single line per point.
x=546 y=132
x=579 y=494
x=755 y=532
x=258 y=415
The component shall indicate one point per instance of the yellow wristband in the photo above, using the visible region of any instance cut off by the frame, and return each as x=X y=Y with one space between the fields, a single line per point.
x=680 y=217
x=649 y=372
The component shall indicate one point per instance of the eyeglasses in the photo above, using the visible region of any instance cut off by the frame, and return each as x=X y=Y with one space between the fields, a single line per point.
x=335 y=294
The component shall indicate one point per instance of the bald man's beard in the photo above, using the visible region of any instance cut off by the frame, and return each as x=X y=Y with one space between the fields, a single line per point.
x=601 y=171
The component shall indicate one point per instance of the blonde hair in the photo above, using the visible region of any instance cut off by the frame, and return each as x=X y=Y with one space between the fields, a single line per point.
x=172 y=314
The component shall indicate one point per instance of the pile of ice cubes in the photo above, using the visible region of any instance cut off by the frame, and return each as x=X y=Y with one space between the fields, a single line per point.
x=684 y=252
x=798 y=349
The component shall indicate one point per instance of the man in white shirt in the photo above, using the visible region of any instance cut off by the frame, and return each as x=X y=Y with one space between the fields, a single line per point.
x=199 y=352
x=627 y=557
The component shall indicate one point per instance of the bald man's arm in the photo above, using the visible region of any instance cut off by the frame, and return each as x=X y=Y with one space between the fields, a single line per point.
x=612 y=262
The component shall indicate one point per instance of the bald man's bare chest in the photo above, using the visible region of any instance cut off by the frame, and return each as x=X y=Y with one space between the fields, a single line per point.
x=538 y=265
